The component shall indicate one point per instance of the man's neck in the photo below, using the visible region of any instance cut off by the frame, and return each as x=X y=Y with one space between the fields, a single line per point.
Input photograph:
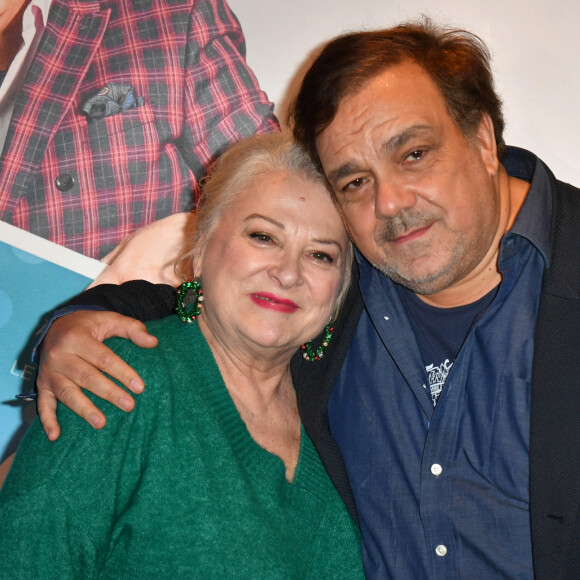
x=486 y=276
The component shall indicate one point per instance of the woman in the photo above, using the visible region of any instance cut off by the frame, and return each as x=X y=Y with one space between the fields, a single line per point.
x=212 y=475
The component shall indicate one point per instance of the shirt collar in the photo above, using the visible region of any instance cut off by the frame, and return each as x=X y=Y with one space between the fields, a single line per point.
x=534 y=218
x=43 y=5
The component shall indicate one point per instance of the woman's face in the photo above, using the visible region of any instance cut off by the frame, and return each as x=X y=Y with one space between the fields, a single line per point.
x=273 y=267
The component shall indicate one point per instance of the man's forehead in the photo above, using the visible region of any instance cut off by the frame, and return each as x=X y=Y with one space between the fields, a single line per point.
x=391 y=108
x=406 y=72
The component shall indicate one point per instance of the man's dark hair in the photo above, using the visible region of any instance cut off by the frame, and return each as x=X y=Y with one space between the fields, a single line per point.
x=456 y=60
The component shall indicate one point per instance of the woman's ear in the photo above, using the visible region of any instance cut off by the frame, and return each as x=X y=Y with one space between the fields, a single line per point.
x=197 y=256
x=196 y=263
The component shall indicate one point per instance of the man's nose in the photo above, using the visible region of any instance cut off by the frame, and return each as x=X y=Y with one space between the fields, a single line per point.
x=391 y=198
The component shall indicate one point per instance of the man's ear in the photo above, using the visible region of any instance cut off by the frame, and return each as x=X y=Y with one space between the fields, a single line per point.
x=486 y=143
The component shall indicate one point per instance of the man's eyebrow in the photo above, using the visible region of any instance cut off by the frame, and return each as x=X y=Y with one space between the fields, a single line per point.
x=343 y=171
x=404 y=137
x=396 y=141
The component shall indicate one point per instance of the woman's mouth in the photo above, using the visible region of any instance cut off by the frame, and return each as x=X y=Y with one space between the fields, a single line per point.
x=272 y=302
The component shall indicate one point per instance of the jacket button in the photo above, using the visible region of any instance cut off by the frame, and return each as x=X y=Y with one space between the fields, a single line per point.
x=65 y=182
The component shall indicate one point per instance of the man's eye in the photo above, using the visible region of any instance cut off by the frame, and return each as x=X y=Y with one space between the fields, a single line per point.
x=261 y=237
x=415 y=155
x=354 y=184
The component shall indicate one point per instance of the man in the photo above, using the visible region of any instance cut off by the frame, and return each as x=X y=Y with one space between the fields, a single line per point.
x=431 y=406
x=111 y=112
x=444 y=408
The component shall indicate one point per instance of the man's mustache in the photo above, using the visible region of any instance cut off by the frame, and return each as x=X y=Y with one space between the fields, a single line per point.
x=404 y=222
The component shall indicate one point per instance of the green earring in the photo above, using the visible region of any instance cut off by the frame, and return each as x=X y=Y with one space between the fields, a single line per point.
x=312 y=355
x=189 y=307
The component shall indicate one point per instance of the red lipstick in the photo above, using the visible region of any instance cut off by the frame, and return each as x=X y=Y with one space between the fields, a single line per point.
x=272 y=302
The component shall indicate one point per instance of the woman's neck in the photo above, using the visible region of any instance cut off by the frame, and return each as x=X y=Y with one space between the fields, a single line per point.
x=262 y=391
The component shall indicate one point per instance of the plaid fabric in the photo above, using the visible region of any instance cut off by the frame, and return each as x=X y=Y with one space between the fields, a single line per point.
x=87 y=184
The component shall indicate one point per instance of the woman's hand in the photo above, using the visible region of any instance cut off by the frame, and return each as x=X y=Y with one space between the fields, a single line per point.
x=72 y=357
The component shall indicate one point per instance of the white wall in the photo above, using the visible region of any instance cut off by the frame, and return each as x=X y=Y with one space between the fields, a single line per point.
x=535 y=46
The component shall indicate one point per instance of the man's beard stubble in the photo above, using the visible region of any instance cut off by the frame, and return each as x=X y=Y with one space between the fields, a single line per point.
x=400 y=225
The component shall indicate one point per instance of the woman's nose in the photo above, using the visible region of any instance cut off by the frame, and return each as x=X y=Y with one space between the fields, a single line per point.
x=288 y=271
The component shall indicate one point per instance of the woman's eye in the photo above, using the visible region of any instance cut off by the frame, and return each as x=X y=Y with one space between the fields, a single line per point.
x=322 y=257
x=261 y=237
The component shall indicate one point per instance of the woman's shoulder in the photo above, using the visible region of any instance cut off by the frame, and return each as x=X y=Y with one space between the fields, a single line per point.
x=177 y=345
x=171 y=333
x=167 y=330
x=181 y=360
x=40 y=460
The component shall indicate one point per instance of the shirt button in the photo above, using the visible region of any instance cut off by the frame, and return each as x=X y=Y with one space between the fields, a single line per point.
x=441 y=550
x=436 y=469
x=65 y=182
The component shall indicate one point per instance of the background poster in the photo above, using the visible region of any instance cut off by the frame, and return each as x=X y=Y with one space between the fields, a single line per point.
x=35 y=277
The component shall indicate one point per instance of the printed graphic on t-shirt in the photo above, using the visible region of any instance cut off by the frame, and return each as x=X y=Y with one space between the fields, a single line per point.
x=437 y=377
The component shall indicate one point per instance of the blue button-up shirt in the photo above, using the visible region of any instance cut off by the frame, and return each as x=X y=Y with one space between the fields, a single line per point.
x=442 y=492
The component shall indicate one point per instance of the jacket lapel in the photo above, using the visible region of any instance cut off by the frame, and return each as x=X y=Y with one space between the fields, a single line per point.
x=314 y=383
x=555 y=405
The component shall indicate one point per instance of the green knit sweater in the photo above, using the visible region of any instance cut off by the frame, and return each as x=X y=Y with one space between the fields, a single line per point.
x=175 y=489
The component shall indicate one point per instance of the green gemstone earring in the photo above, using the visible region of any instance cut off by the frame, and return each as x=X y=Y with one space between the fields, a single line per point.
x=188 y=307
x=312 y=355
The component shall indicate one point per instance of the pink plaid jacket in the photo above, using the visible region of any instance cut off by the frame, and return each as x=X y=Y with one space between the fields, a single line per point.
x=86 y=183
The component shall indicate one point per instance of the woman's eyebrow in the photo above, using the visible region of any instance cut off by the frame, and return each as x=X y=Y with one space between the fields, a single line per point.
x=263 y=217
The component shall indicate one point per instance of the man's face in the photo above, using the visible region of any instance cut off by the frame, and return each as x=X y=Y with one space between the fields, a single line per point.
x=420 y=201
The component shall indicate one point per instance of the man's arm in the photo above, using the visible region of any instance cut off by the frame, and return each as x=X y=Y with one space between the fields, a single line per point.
x=72 y=356
x=223 y=102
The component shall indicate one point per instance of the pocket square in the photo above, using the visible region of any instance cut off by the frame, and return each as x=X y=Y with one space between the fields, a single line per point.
x=112 y=99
